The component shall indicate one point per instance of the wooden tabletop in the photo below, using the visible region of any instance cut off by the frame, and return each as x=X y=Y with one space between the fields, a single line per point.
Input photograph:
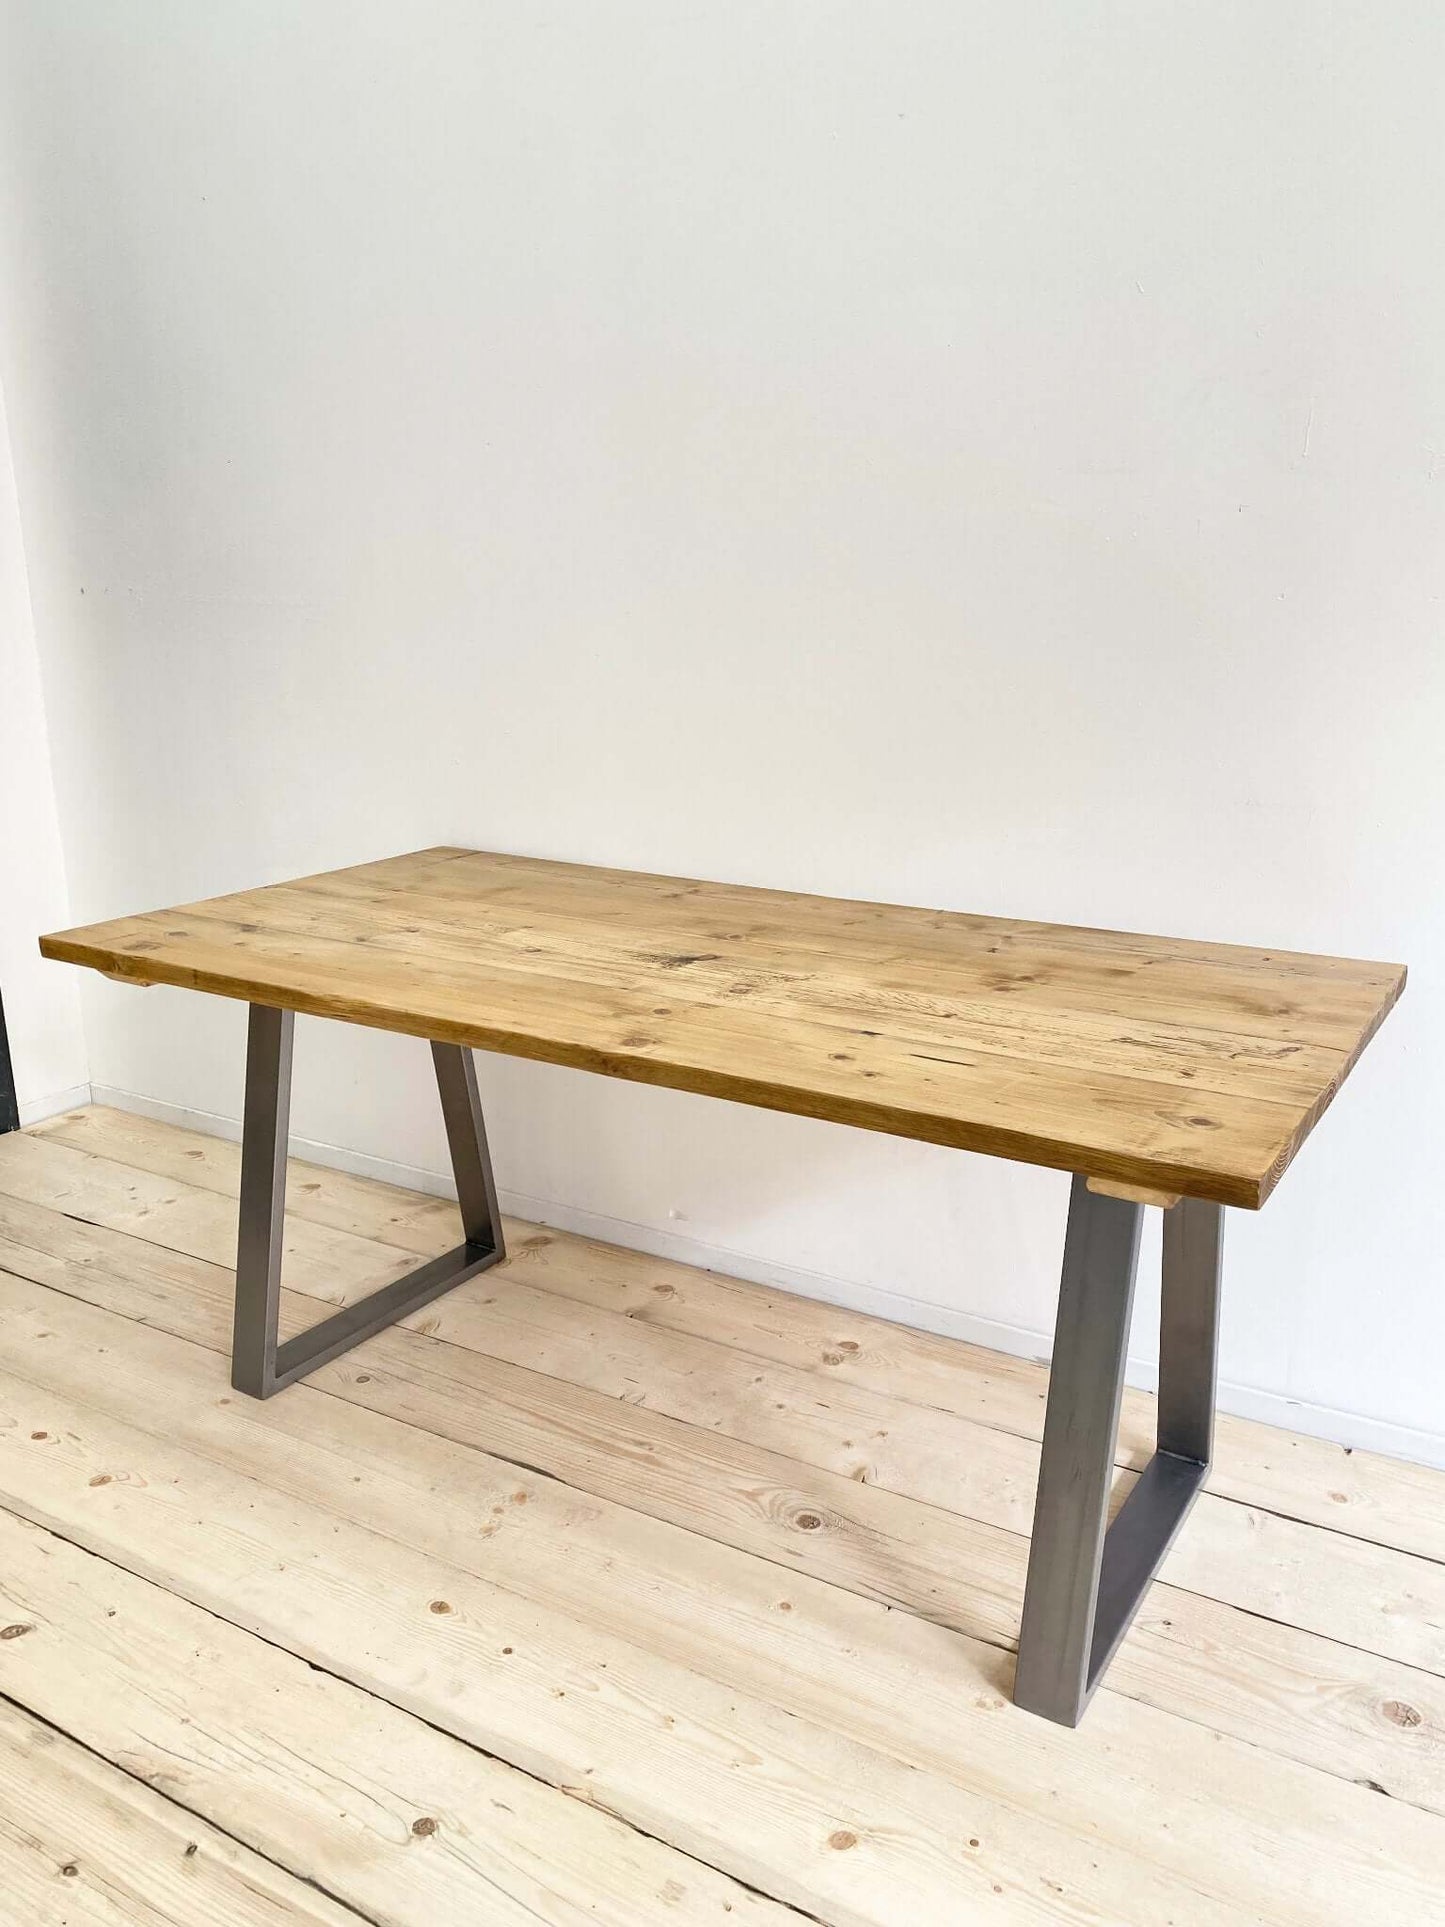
x=1172 y=1066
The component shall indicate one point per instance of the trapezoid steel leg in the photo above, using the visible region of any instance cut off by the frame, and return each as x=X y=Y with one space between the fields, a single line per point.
x=1086 y=1577
x=260 y=1365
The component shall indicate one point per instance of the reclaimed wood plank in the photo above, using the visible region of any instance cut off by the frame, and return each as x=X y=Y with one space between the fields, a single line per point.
x=85 y=1845
x=391 y=1816
x=1016 y=1040
x=677 y=1626
x=1309 y=1699
x=817 y=1820
x=1359 y=1494
x=1351 y=1591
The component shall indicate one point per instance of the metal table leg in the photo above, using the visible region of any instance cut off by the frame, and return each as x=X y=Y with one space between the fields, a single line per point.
x=261 y=1366
x=1086 y=1578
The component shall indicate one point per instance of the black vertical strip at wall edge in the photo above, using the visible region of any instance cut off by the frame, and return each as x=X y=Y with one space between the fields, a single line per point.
x=9 y=1108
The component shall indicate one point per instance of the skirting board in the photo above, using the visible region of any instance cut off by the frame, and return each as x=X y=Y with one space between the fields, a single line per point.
x=1349 y=1429
x=36 y=1109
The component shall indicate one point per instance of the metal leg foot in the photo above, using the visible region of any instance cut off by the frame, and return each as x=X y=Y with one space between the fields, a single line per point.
x=1086 y=1578
x=259 y=1364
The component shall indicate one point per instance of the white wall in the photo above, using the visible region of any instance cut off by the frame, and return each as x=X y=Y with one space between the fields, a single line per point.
x=42 y=1012
x=984 y=456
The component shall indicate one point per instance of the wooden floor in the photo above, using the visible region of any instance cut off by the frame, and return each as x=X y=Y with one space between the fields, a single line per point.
x=613 y=1591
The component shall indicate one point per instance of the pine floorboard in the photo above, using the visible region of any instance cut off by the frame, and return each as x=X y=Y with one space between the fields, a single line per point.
x=611 y=1590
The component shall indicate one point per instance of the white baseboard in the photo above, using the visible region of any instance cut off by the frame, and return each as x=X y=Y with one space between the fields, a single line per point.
x=1353 y=1429
x=36 y=1109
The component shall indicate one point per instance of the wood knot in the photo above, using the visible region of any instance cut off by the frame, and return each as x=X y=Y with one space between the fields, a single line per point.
x=809 y=1522
x=842 y=1840
x=15 y=1632
x=101 y=1478
x=439 y=1606
x=1401 y=1713
x=40 y=1435
x=422 y=1827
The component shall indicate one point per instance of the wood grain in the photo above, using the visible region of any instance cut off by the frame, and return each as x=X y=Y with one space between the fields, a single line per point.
x=1263 y=1680
x=841 y=1830
x=743 y=1652
x=1348 y=1491
x=1170 y=1065
x=399 y=1820
x=1369 y=1596
x=85 y=1845
x=861 y=1766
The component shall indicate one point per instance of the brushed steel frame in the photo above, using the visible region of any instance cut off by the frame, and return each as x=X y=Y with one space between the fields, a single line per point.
x=260 y=1365
x=1086 y=1577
